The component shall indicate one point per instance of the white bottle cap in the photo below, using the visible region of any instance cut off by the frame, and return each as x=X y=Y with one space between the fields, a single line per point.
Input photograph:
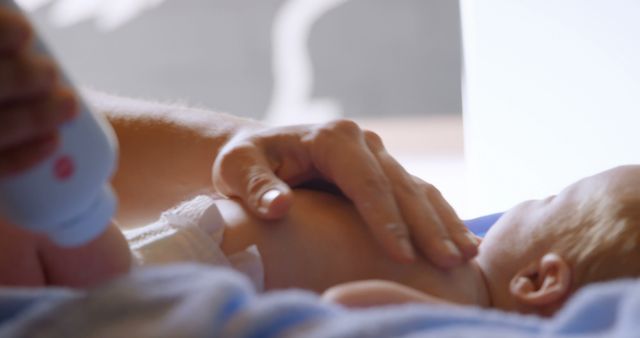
x=88 y=225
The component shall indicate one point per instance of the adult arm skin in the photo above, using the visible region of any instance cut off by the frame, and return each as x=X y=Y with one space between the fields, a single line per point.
x=167 y=153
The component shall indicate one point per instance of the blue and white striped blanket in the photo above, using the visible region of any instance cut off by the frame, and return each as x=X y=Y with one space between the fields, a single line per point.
x=198 y=301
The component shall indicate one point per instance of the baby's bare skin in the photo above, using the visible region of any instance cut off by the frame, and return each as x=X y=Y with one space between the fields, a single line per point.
x=30 y=259
x=324 y=242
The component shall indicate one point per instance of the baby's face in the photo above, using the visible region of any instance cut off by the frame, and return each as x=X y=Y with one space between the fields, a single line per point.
x=511 y=243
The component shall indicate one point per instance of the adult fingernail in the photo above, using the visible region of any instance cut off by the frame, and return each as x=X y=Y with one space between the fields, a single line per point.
x=407 y=249
x=470 y=247
x=452 y=249
x=266 y=199
x=473 y=239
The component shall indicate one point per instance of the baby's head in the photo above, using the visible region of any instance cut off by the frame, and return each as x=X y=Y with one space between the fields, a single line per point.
x=540 y=252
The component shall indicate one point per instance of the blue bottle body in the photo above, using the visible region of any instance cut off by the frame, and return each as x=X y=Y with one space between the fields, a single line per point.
x=66 y=196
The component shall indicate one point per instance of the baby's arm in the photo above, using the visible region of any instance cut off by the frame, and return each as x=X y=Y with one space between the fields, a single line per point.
x=377 y=293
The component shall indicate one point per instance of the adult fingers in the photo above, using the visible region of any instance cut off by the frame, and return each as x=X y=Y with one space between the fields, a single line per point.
x=464 y=239
x=425 y=223
x=26 y=120
x=242 y=169
x=341 y=154
x=15 y=31
x=25 y=75
x=20 y=158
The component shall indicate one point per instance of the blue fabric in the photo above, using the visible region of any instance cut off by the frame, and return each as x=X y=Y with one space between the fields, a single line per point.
x=197 y=301
x=481 y=225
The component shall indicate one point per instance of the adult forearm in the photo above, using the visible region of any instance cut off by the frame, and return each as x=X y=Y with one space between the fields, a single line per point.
x=166 y=152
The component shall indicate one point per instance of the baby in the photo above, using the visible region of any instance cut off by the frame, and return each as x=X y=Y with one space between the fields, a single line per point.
x=540 y=252
x=535 y=257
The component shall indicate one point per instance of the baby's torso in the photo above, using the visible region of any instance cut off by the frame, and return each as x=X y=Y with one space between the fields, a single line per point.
x=323 y=242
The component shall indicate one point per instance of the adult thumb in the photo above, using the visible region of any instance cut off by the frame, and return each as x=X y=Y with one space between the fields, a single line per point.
x=245 y=173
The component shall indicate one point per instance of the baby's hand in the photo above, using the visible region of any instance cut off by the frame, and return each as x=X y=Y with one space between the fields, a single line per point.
x=20 y=264
x=32 y=101
x=376 y=293
x=29 y=259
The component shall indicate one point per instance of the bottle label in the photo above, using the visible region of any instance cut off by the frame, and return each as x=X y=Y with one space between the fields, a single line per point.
x=63 y=167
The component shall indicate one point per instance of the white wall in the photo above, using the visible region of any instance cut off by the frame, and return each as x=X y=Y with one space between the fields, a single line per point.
x=551 y=94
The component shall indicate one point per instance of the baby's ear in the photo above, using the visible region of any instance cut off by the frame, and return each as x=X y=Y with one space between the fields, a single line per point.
x=543 y=284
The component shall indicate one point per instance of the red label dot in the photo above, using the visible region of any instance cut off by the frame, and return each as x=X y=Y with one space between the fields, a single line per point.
x=63 y=167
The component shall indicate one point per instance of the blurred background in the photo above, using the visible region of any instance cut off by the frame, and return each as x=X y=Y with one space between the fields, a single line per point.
x=550 y=87
x=370 y=57
x=394 y=66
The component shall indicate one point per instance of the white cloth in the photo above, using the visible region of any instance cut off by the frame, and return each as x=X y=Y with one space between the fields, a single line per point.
x=192 y=232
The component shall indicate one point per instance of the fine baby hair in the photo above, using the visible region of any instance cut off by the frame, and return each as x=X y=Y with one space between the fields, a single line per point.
x=601 y=239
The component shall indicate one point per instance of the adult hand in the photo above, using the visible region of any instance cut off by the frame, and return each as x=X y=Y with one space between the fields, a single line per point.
x=32 y=102
x=260 y=166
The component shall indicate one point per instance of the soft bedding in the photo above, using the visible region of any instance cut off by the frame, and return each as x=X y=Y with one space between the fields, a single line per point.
x=199 y=301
